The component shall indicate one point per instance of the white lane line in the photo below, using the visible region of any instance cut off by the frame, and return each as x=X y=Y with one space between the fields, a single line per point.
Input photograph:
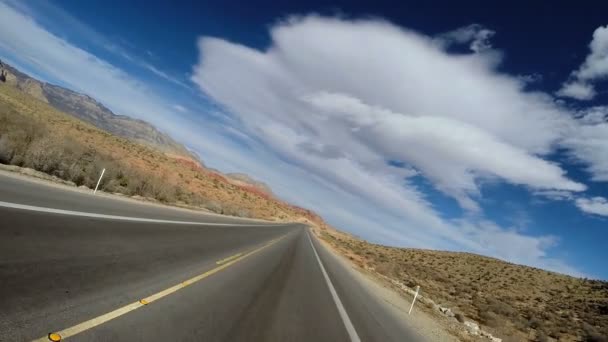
x=352 y=333
x=119 y=218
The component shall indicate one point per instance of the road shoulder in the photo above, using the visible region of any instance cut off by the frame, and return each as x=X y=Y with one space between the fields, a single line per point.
x=40 y=178
x=423 y=323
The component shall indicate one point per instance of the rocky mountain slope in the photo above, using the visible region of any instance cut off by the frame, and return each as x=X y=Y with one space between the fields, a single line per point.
x=89 y=110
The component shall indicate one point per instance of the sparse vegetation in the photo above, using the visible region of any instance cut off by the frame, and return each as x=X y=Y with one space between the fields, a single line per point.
x=517 y=303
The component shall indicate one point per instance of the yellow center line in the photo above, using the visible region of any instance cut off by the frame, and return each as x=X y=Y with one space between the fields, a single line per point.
x=229 y=258
x=76 y=329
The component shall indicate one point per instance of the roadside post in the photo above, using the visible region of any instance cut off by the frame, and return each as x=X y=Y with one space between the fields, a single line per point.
x=413 y=301
x=99 y=181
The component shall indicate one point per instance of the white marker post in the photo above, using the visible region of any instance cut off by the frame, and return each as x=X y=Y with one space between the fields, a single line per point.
x=413 y=301
x=99 y=181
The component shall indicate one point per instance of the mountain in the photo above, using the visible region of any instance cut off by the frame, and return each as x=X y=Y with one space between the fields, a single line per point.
x=88 y=109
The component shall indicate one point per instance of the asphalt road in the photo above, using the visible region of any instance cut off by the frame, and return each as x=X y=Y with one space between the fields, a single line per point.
x=240 y=281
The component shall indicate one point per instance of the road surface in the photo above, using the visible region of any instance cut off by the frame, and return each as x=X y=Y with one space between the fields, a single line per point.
x=150 y=273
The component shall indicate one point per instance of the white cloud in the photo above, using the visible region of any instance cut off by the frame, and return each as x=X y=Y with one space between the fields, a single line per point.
x=158 y=72
x=477 y=36
x=436 y=144
x=588 y=142
x=180 y=108
x=594 y=68
x=594 y=205
x=596 y=64
x=453 y=118
x=555 y=195
x=577 y=90
x=340 y=113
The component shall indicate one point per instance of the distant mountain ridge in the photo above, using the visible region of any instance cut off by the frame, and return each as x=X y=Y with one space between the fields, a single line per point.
x=90 y=110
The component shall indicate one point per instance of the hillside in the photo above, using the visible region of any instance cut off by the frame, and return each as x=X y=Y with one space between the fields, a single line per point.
x=242 y=179
x=35 y=135
x=88 y=109
x=513 y=302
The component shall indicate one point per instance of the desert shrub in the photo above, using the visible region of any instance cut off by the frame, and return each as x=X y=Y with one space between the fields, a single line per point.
x=534 y=323
x=16 y=135
x=235 y=211
x=459 y=317
x=490 y=319
x=214 y=206
x=592 y=335
x=500 y=307
x=542 y=337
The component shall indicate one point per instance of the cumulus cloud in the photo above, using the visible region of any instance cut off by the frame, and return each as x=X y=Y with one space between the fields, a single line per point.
x=596 y=64
x=436 y=144
x=594 y=68
x=341 y=113
x=401 y=98
x=594 y=205
x=477 y=36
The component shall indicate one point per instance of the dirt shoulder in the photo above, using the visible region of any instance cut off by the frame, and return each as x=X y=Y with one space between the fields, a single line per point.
x=426 y=323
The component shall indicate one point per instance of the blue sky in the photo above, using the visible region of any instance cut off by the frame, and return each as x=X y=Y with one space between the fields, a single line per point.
x=471 y=127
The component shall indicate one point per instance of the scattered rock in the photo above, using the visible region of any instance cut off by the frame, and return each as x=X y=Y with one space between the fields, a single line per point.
x=472 y=327
x=446 y=311
x=84 y=187
x=489 y=336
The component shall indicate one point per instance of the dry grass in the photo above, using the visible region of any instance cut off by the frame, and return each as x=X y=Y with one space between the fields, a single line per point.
x=517 y=303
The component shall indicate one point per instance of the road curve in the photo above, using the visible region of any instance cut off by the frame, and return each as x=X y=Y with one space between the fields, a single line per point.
x=67 y=274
